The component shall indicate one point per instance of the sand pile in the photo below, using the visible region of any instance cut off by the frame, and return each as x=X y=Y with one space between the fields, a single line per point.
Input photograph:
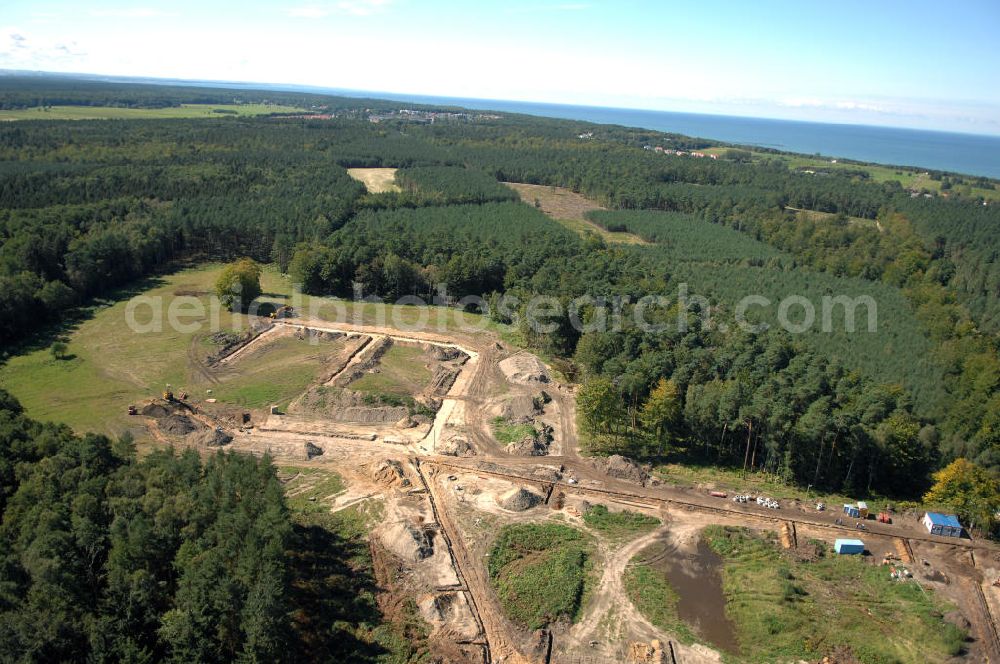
x=622 y=468
x=527 y=446
x=390 y=473
x=456 y=446
x=518 y=500
x=408 y=542
x=525 y=369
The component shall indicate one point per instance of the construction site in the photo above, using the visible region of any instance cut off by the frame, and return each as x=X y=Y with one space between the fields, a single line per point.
x=460 y=436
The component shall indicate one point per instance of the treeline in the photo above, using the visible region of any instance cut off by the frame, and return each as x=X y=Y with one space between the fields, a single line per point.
x=105 y=558
x=686 y=237
x=470 y=249
x=758 y=402
x=24 y=91
x=453 y=185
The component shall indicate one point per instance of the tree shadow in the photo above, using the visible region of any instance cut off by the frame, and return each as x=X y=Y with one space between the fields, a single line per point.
x=332 y=598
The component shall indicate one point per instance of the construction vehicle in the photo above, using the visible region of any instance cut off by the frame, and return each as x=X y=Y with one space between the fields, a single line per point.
x=168 y=395
x=283 y=312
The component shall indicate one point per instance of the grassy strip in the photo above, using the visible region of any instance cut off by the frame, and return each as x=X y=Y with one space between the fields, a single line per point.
x=754 y=483
x=540 y=572
x=619 y=526
x=653 y=596
x=121 y=113
x=507 y=432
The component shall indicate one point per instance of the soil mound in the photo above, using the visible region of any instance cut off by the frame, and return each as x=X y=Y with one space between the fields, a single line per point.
x=210 y=438
x=408 y=542
x=312 y=450
x=342 y=405
x=157 y=408
x=527 y=446
x=958 y=620
x=518 y=500
x=521 y=409
x=443 y=354
x=525 y=369
x=444 y=377
x=456 y=446
x=177 y=425
x=389 y=473
x=622 y=468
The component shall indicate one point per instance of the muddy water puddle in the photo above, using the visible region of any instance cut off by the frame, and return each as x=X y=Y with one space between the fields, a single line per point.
x=696 y=578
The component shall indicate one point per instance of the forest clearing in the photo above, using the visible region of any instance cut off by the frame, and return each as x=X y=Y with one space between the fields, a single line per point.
x=358 y=418
x=376 y=180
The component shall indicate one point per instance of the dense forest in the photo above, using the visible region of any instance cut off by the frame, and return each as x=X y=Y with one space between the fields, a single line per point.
x=109 y=559
x=106 y=558
x=89 y=206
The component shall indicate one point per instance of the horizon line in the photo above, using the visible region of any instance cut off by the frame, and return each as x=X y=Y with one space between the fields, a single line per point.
x=385 y=95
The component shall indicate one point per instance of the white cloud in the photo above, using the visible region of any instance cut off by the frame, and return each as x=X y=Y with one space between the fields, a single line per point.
x=17 y=49
x=131 y=12
x=351 y=7
x=310 y=12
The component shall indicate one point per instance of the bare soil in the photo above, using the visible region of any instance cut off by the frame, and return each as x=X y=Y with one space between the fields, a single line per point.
x=376 y=180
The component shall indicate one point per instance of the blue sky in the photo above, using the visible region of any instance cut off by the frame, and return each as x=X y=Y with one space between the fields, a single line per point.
x=915 y=64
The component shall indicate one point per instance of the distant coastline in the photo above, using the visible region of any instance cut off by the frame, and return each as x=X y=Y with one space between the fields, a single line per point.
x=969 y=154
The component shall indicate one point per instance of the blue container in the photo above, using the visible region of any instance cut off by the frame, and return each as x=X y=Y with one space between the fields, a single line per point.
x=849 y=546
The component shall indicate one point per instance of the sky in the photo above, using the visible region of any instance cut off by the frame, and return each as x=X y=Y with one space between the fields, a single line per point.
x=917 y=63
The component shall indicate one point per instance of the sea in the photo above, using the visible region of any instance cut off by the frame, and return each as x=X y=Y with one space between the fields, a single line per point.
x=933 y=150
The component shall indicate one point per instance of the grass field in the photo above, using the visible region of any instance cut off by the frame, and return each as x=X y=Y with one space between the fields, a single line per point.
x=275 y=374
x=787 y=610
x=569 y=209
x=508 y=432
x=110 y=366
x=402 y=371
x=172 y=112
x=619 y=526
x=540 y=572
x=376 y=180
x=307 y=489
